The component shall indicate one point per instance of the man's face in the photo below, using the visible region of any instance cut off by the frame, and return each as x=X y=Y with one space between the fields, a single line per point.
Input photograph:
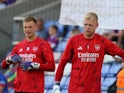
x=52 y=31
x=30 y=29
x=90 y=26
x=39 y=25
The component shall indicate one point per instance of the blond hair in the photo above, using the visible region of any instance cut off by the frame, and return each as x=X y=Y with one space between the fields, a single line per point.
x=30 y=18
x=91 y=15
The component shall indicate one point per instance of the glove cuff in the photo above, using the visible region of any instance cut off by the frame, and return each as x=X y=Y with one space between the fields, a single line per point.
x=35 y=65
x=8 y=60
x=57 y=83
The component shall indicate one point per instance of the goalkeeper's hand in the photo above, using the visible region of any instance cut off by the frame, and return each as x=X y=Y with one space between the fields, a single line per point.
x=13 y=59
x=30 y=65
x=56 y=89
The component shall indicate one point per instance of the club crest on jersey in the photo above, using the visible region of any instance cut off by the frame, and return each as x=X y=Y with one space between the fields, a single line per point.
x=35 y=48
x=97 y=47
x=80 y=48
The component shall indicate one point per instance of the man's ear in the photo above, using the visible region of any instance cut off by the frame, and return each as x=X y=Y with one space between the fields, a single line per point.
x=97 y=24
x=36 y=28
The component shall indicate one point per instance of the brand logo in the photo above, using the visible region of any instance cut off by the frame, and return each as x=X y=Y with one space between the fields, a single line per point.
x=80 y=48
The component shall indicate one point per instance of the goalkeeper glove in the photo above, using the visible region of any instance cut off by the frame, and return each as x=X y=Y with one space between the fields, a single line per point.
x=56 y=89
x=13 y=59
x=30 y=65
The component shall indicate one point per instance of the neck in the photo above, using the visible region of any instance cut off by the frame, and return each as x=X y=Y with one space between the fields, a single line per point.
x=88 y=36
x=30 y=39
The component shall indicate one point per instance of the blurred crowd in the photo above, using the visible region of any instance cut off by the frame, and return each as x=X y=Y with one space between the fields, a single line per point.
x=117 y=36
x=4 y=3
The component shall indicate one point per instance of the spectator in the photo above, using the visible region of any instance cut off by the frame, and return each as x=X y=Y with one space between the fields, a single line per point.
x=41 y=31
x=115 y=35
x=53 y=37
x=112 y=35
x=86 y=52
x=75 y=32
x=120 y=41
x=2 y=4
x=3 y=84
x=107 y=33
x=8 y=2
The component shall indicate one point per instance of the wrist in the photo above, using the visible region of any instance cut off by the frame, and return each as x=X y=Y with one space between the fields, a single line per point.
x=35 y=65
x=8 y=63
x=57 y=83
x=9 y=60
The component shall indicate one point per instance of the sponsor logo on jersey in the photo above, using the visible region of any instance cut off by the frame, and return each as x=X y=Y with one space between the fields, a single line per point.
x=88 y=57
x=80 y=48
x=27 y=57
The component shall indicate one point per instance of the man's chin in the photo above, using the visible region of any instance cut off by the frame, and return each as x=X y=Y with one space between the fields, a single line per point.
x=88 y=34
x=28 y=36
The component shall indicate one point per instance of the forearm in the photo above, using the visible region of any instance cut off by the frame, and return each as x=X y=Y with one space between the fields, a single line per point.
x=50 y=66
x=59 y=72
x=47 y=67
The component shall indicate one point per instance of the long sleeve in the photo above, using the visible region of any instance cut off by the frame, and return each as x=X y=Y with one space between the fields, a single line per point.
x=66 y=57
x=113 y=49
x=48 y=56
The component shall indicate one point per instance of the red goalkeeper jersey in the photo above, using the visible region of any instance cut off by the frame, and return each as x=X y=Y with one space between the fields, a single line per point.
x=86 y=56
x=39 y=51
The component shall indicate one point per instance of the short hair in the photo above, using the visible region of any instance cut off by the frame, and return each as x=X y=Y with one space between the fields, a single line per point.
x=55 y=27
x=30 y=18
x=91 y=15
x=41 y=20
x=75 y=31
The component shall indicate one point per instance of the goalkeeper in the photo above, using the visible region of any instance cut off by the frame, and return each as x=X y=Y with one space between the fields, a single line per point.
x=33 y=56
x=86 y=52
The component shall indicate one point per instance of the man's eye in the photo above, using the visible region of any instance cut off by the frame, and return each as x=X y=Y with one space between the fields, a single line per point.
x=30 y=27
